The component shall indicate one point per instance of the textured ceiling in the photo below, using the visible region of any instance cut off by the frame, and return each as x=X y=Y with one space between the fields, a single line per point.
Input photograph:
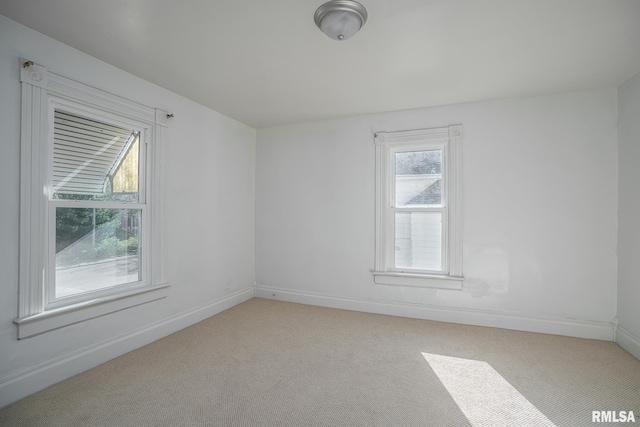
x=265 y=63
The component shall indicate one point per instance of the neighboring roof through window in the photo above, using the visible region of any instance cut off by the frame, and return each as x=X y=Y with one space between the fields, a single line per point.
x=430 y=196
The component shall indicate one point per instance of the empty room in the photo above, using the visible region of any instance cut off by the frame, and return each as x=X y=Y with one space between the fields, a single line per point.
x=320 y=213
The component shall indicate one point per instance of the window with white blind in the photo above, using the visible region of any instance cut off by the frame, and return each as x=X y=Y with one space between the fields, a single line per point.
x=419 y=208
x=99 y=204
x=91 y=205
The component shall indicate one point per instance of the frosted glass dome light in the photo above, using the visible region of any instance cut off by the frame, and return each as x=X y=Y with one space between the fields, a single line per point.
x=340 y=19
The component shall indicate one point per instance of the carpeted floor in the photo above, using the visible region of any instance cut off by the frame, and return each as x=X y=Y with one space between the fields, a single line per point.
x=268 y=363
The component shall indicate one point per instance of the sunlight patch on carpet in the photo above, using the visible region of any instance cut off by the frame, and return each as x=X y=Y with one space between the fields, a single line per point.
x=483 y=395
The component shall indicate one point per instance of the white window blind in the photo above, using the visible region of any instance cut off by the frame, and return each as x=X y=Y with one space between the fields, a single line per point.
x=86 y=153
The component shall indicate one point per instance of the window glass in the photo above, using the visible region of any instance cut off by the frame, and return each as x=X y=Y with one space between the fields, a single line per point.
x=96 y=248
x=418 y=240
x=418 y=176
x=125 y=181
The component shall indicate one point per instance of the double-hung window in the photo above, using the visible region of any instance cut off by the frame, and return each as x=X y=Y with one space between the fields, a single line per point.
x=98 y=215
x=419 y=208
x=91 y=204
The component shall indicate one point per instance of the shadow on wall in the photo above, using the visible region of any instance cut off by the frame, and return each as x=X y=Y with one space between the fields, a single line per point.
x=486 y=271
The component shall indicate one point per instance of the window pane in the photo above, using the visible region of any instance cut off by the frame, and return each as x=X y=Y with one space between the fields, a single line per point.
x=418 y=178
x=96 y=249
x=94 y=160
x=125 y=180
x=418 y=240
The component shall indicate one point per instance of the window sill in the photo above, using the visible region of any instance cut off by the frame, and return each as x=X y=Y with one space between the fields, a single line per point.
x=36 y=324
x=418 y=280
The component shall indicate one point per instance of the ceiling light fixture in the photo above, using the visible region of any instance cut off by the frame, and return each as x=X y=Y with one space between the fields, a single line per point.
x=340 y=19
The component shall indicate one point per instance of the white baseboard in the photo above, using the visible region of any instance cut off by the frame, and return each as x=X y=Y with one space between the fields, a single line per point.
x=496 y=319
x=36 y=378
x=628 y=341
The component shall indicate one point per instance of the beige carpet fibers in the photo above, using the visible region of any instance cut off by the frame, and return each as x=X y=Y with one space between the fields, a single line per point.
x=267 y=363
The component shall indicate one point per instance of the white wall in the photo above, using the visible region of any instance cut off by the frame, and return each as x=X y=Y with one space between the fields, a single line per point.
x=209 y=220
x=628 y=335
x=540 y=214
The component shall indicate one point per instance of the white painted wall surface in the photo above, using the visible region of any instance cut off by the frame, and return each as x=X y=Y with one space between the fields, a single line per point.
x=540 y=214
x=629 y=216
x=209 y=220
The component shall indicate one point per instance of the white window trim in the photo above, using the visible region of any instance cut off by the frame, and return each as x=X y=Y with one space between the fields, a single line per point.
x=387 y=143
x=39 y=88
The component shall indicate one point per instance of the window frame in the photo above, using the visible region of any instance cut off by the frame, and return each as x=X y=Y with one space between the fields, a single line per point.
x=42 y=93
x=387 y=144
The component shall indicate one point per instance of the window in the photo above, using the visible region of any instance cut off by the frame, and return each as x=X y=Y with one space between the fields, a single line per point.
x=418 y=208
x=91 y=237
x=97 y=204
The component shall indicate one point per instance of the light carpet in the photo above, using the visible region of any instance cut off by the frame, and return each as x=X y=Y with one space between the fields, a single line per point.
x=269 y=363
